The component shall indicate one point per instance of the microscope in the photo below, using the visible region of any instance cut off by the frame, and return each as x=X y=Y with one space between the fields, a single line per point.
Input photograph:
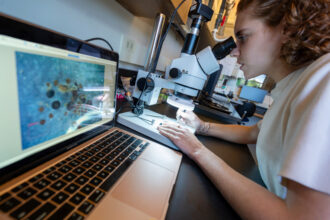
x=186 y=76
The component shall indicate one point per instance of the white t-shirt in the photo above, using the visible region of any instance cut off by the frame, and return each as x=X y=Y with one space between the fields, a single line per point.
x=294 y=138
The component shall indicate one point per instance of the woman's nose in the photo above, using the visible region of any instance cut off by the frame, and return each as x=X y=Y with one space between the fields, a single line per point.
x=235 y=52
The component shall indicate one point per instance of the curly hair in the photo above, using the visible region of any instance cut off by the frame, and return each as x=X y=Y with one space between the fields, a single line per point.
x=305 y=24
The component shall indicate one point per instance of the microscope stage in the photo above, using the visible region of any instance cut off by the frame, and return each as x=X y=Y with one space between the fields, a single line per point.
x=147 y=124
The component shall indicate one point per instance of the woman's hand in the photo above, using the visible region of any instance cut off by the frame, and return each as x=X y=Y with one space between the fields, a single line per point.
x=182 y=138
x=190 y=118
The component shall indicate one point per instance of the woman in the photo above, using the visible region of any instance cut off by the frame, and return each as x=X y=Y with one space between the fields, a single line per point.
x=290 y=41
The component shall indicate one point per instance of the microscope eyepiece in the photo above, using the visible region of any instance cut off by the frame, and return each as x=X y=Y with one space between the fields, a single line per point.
x=222 y=49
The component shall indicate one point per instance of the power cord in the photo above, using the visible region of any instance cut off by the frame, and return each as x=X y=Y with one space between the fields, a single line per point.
x=101 y=39
x=95 y=38
x=139 y=106
x=165 y=34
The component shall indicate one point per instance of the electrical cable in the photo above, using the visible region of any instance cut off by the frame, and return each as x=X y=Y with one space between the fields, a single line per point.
x=118 y=111
x=101 y=39
x=138 y=108
x=111 y=48
x=95 y=38
x=165 y=34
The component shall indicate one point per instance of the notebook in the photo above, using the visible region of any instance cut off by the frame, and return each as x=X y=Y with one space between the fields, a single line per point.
x=62 y=157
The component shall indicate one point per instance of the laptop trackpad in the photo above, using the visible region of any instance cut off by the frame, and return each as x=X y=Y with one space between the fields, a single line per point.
x=146 y=187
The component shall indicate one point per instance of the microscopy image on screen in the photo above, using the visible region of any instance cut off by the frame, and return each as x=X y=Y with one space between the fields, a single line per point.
x=54 y=98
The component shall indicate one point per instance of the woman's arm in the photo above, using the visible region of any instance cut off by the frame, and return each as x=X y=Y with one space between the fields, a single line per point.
x=249 y=199
x=235 y=133
x=252 y=201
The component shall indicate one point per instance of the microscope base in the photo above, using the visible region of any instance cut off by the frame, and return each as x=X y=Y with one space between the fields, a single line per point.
x=147 y=124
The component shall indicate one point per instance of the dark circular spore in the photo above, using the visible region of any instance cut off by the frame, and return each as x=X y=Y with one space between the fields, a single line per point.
x=70 y=106
x=50 y=93
x=56 y=105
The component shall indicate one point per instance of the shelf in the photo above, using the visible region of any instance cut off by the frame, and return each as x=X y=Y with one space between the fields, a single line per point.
x=150 y=8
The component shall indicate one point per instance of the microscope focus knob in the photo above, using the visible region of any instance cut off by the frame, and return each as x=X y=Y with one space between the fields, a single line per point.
x=145 y=84
x=175 y=73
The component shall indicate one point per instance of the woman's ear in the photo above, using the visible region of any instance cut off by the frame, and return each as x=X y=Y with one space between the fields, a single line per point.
x=284 y=37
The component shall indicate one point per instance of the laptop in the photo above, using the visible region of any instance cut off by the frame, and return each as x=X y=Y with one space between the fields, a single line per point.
x=61 y=155
x=253 y=94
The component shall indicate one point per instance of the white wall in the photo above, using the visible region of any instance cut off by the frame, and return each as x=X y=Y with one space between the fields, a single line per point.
x=97 y=18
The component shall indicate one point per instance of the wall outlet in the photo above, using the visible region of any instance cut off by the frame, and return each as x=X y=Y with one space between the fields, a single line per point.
x=134 y=52
x=129 y=45
x=127 y=50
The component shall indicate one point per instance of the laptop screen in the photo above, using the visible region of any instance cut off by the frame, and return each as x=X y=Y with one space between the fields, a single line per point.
x=253 y=94
x=50 y=95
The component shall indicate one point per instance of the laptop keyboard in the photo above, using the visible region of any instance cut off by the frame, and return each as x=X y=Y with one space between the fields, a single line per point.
x=73 y=187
